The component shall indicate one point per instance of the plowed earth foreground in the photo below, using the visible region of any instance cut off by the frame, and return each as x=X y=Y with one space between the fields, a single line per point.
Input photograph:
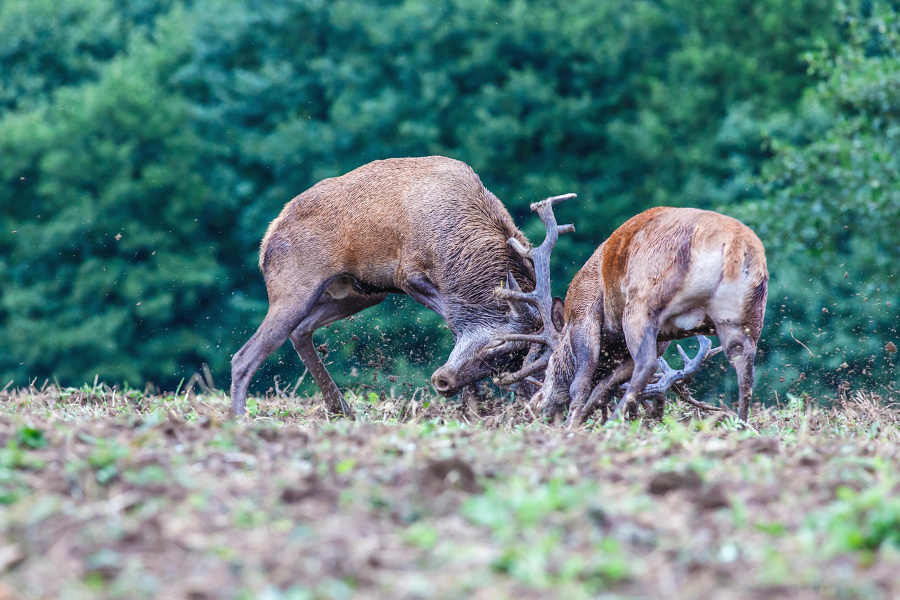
x=115 y=495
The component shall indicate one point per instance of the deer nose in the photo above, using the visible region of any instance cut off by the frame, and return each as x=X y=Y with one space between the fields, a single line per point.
x=443 y=383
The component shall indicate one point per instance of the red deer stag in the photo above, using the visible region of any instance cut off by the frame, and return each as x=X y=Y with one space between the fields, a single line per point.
x=426 y=227
x=666 y=274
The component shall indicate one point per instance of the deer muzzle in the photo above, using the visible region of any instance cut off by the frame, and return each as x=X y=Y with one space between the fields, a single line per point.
x=444 y=382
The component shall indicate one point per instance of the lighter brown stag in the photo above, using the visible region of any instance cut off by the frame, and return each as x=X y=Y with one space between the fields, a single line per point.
x=666 y=274
x=426 y=227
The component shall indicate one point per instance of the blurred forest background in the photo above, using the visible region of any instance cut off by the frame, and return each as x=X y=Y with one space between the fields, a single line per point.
x=146 y=144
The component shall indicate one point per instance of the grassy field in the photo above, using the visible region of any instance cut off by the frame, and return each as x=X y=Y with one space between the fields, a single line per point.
x=105 y=493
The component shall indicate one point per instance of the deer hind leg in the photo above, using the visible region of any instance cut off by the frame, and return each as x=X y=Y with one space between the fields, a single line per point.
x=740 y=350
x=282 y=318
x=640 y=337
x=328 y=310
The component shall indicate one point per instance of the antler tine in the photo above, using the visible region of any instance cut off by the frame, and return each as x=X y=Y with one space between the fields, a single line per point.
x=671 y=376
x=525 y=371
x=541 y=297
x=544 y=209
x=552 y=200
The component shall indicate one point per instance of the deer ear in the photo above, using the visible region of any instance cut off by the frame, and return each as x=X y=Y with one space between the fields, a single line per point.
x=557 y=313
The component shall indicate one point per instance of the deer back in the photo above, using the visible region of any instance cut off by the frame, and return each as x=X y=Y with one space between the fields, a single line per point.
x=674 y=264
x=389 y=218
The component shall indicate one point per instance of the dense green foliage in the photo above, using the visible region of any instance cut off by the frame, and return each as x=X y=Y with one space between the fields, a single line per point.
x=831 y=213
x=145 y=146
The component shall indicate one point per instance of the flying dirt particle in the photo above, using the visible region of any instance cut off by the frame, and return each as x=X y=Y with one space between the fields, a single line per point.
x=354 y=337
x=392 y=378
x=890 y=347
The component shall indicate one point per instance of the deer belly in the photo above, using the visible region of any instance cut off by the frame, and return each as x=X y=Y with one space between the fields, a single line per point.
x=685 y=321
x=348 y=285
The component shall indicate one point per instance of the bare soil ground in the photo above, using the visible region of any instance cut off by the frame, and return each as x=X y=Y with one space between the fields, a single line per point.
x=114 y=494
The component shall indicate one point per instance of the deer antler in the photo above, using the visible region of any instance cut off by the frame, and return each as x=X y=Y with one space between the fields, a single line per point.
x=669 y=376
x=542 y=297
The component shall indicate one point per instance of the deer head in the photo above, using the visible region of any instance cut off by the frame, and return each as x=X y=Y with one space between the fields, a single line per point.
x=520 y=346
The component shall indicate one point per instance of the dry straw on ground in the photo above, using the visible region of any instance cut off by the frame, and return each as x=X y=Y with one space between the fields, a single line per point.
x=120 y=494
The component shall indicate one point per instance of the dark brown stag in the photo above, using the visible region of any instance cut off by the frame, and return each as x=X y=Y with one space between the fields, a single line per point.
x=666 y=274
x=426 y=227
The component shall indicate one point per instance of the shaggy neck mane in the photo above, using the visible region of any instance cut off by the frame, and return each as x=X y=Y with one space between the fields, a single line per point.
x=476 y=256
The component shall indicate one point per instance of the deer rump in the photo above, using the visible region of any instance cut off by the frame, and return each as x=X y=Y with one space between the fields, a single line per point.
x=426 y=227
x=666 y=274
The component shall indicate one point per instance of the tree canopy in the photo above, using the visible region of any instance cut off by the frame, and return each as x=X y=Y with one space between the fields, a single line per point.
x=830 y=211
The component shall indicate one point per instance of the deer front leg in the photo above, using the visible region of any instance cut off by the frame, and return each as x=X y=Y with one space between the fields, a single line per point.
x=423 y=291
x=569 y=373
x=334 y=399
x=581 y=388
x=585 y=343
x=640 y=336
